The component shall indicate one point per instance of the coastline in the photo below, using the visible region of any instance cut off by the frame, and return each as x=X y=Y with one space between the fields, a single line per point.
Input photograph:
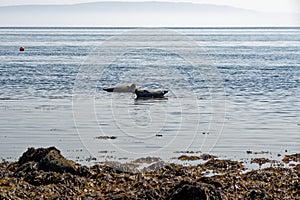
x=45 y=174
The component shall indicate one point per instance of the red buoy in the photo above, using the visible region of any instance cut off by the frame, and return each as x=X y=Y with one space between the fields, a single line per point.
x=22 y=48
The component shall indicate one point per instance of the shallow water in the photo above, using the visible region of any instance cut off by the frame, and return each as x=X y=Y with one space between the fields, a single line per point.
x=255 y=107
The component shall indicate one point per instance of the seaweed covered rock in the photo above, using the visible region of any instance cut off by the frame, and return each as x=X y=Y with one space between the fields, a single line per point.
x=188 y=191
x=46 y=174
x=48 y=159
x=194 y=191
x=43 y=166
x=294 y=157
x=221 y=166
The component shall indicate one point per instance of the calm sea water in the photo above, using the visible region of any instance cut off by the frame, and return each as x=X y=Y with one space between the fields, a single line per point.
x=256 y=105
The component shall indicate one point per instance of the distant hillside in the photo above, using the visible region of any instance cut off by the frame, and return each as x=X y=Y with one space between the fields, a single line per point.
x=136 y=14
x=126 y=7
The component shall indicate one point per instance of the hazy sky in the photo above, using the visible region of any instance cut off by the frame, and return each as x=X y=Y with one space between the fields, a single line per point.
x=291 y=6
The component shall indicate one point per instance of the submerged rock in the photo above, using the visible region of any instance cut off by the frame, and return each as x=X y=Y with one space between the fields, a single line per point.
x=261 y=161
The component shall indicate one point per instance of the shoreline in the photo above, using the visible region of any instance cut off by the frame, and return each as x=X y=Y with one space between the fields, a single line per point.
x=44 y=173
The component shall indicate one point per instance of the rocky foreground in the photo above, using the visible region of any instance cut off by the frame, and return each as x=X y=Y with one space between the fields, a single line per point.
x=45 y=174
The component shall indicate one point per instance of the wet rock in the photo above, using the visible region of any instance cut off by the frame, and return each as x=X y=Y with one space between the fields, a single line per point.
x=297 y=167
x=187 y=152
x=106 y=137
x=257 y=194
x=194 y=191
x=249 y=152
x=188 y=191
x=147 y=160
x=154 y=167
x=260 y=161
x=43 y=178
x=261 y=152
x=210 y=180
x=47 y=159
x=221 y=166
x=207 y=157
x=28 y=167
x=84 y=171
x=293 y=157
x=184 y=158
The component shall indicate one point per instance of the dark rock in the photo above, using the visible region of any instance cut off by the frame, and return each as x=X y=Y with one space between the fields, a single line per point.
x=194 y=191
x=294 y=157
x=223 y=165
x=48 y=159
x=43 y=178
x=188 y=191
x=36 y=155
x=207 y=156
x=297 y=167
x=257 y=194
x=260 y=161
x=185 y=157
x=106 y=137
x=84 y=171
x=210 y=180
x=28 y=167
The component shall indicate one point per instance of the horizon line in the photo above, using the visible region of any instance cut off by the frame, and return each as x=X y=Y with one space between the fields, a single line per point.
x=147 y=27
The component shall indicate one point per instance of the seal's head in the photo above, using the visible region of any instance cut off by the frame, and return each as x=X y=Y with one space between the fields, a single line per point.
x=132 y=87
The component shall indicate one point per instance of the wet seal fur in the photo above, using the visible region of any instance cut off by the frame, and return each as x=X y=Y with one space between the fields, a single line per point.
x=122 y=88
x=150 y=93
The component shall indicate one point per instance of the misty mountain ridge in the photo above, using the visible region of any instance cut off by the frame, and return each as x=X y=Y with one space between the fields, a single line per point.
x=149 y=13
x=147 y=6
